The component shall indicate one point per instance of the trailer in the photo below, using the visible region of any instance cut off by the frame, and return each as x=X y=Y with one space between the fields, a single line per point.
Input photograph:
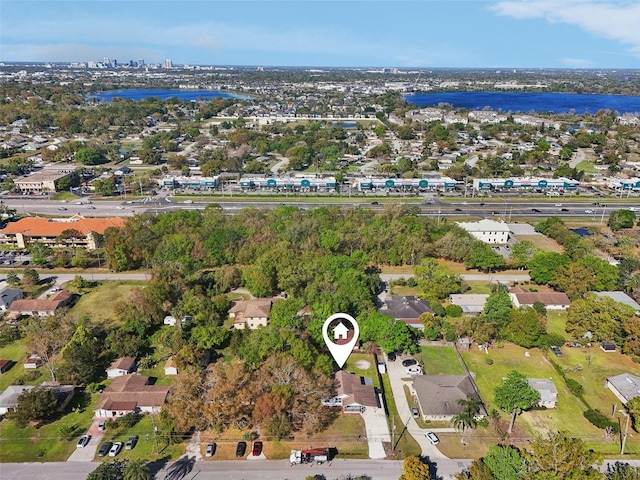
x=318 y=455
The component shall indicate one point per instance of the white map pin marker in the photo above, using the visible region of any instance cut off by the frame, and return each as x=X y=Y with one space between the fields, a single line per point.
x=344 y=337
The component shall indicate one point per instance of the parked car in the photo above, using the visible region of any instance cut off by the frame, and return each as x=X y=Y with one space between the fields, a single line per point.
x=62 y=208
x=103 y=424
x=564 y=209
x=414 y=370
x=104 y=449
x=257 y=448
x=241 y=449
x=408 y=362
x=415 y=413
x=131 y=442
x=432 y=437
x=83 y=441
x=588 y=211
x=115 y=449
x=556 y=351
x=211 y=449
x=535 y=210
x=391 y=356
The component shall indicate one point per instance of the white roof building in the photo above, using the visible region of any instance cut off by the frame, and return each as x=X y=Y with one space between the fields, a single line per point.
x=624 y=386
x=488 y=231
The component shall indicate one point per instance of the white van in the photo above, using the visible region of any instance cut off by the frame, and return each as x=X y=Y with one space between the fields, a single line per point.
x=414 y=370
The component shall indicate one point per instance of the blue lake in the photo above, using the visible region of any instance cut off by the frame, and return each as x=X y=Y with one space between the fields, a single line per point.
x=141 y=94
x=525 y=102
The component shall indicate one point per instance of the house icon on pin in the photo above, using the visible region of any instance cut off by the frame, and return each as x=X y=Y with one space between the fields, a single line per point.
x=340 y=332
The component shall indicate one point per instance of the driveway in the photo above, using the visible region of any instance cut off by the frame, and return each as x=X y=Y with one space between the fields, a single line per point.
x=396 y=372
x=88 y=453
x=377 y=428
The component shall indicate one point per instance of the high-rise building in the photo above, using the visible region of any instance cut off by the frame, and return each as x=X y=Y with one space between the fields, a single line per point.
x=167 y=63
x=106 y=62
x=141 y=63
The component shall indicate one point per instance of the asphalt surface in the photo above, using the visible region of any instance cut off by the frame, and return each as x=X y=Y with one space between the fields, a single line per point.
x=121 y=208
x=244 y=470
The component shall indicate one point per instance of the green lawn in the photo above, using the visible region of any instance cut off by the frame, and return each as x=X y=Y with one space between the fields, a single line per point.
x=439 y=360
x=556 y=321
x=478 y=287
x=157 y=372
x=17 y=352
x=99 y=301
x=145 y=449
x=45 y=444
x=568 y=414
x=586 y=166
x=361 y=359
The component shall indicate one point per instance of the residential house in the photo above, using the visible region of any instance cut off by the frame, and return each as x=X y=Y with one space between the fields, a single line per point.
x=5 y=365
x=41 y=307
x=620 y=297
x=251 y=314
x=9 y=398
x=487 y=231
x=624 y=386
x=438 y=395
x=130 y=393
x=353 y=393
x=50 y=231
x=32 y=362
x=7 y=296
x=471 y=303
x=551 y=300
x=121 y=366
x=547 y=390
x=170 y=367
x=406 y=308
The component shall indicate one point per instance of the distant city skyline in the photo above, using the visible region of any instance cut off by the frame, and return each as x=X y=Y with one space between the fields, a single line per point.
x=326 y=33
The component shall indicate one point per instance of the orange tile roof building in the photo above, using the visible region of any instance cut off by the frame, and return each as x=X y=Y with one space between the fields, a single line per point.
x=48 y=230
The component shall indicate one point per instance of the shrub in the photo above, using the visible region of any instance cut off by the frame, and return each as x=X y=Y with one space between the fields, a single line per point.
x=454 y=311
x=600 y=420
x=129 y=420
x=488 y=361
x=575 y=387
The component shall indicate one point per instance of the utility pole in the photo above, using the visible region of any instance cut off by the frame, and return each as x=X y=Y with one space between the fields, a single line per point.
x=626 y=431
x=155 y=431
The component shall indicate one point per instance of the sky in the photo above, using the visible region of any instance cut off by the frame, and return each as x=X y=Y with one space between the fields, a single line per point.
x=327 y=33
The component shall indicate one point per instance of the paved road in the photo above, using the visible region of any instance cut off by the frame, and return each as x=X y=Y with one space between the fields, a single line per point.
x=162 y=203
x=486 y=277
x=243 y=470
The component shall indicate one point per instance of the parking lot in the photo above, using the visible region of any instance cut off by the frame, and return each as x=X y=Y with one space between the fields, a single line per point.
x=15 y=258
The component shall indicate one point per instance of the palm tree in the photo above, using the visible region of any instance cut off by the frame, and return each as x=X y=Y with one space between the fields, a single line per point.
x=467 y=417
x=137 y=470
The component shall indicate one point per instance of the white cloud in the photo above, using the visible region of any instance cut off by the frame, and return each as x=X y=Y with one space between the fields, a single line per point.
x=75 y=53
x=576 y=62
x=615 y=20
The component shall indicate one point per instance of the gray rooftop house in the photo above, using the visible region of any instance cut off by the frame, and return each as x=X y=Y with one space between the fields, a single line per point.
x=8 y=295
x=620 y=297
x=438 y=395
x=547 y=390
x=471 y=303
x=9 y=398
x=406 y=308
x=624 y=386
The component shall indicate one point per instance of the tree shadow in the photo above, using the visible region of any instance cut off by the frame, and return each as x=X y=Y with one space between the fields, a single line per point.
x=180 y=468
x=158 y=465
x=433 y=467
